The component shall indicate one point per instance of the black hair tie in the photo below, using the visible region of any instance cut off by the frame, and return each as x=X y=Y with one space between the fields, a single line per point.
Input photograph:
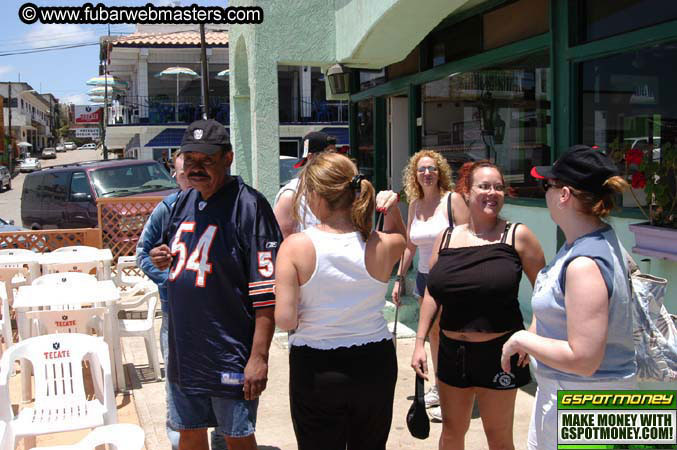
x=356 y=182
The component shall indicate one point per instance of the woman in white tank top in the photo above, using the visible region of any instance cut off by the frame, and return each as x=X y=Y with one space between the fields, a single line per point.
x=331 y=283
x=432 y=208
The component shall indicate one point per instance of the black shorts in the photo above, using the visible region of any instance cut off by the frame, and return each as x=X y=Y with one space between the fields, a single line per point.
x=342 y=398
x=478 y=364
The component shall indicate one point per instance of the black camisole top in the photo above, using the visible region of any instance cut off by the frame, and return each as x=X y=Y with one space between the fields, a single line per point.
x=478 y=287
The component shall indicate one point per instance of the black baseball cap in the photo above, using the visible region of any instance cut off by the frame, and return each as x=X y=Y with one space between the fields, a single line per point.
x=314 y=142
x=581 y=167
x=205 y=136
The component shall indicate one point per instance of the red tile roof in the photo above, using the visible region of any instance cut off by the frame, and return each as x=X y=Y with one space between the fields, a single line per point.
x=178 y=39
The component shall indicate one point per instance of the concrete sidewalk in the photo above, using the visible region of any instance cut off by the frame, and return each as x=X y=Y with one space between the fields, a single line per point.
x=274 y=427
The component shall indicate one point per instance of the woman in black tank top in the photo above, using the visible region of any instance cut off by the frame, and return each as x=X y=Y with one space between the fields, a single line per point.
x=475 y=277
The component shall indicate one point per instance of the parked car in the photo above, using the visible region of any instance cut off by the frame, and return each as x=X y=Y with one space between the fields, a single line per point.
x=65 y=196
x=5 y=178
x=287 y=170
x=60 y=148
x=90 y=146
x=48 y=153
x=30 y=165
x=69 y=145
x=9 y=226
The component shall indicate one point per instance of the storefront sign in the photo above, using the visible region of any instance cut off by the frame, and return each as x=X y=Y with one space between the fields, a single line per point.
x=88 y=114
x=93 y=133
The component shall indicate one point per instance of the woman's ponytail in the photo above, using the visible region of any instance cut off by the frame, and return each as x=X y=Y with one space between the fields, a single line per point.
x=362 y=211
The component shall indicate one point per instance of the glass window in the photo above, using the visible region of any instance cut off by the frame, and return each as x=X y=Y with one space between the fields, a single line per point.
x=501 y=114
x=629 y=102
x=454 y=42
x=55 y=185
x=365 y=138
x=80 y=187
x=500 y=27
x=128 y=180
x=599 y=19
x=371 y=78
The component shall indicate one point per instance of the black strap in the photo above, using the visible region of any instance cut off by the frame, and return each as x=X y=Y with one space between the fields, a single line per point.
x=444 y=242
x=505 y=232
x=380 y=219
x=450 y=211
x=419 y=391
x=514 y=229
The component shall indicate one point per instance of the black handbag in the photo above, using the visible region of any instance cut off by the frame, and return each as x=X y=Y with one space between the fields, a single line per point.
x=417 y=417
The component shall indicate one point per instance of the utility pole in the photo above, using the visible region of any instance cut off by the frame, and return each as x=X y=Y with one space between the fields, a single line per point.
x=11 y=147
x=205 y=73
x=105 y=99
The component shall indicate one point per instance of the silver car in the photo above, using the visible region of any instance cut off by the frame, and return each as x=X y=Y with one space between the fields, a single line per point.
x=5 y=178
x=30 y=165
x=48 y=153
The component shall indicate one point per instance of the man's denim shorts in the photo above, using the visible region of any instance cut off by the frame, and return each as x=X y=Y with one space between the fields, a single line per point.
x=234 y=418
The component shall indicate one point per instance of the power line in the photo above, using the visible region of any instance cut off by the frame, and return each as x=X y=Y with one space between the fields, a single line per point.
x=48 y=49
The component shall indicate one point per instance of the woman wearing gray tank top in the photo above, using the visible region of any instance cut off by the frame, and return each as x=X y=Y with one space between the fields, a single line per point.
x=581 y=334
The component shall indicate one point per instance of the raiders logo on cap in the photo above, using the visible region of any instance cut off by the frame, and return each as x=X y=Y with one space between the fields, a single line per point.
x=197 y=133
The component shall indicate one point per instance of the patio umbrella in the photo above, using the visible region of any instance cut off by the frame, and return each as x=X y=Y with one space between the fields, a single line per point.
x=223 y=75
x=106 y=80
x=178 y=73
x=24 y=144
x=100 y=90
x=97 y=99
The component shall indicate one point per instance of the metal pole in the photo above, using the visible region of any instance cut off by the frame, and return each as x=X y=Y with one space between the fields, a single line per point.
x=105 y=102
x=205 y=74
x=11 y=148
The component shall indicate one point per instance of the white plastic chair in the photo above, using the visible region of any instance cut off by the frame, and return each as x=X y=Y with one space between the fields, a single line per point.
x=6 y=436
x=5 y=321
x=65 y=279
x=60 y=400
x=143 y=327
x=14 y=275
x=17 y=252
x=66 y=321
x=122 y=279
x=76 y=249
x=124 y=436
x=89 y=267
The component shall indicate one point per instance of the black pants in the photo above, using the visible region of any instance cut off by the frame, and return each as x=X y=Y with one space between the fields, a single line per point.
x=343 y=397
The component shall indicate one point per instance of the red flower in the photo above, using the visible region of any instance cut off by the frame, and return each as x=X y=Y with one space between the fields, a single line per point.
x=638 y=180
x=634 y=156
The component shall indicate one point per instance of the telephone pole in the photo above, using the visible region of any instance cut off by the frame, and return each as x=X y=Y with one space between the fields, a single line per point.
x=11 y=147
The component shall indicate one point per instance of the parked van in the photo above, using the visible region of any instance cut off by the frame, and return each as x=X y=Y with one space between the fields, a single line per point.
x=65 y=196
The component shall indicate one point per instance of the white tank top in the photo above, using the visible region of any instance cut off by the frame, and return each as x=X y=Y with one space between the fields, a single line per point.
x=423 y=234
x=341 y=305
x=308 y=219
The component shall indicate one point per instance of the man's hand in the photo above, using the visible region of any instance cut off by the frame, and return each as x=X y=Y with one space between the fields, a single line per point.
x=255 y=377
x=161 y=256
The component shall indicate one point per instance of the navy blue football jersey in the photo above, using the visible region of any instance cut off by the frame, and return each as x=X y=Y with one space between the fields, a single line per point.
x=223 y=269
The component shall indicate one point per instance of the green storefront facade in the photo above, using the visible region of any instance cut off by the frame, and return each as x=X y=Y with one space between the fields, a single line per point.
x=515 y=81
x=519 y=82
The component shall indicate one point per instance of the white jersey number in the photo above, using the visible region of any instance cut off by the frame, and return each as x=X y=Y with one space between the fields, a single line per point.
x=198 y=261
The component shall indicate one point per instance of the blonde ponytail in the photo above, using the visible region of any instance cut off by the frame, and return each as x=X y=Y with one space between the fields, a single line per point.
x=362 y=210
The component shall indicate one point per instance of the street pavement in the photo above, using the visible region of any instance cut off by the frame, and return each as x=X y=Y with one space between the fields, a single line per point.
x=274 y=426
x=10 y=201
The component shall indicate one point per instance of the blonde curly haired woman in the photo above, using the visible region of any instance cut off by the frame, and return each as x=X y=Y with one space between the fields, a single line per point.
x=433 y=206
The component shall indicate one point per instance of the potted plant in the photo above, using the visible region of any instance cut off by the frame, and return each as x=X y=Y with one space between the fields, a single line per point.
x=656 y=172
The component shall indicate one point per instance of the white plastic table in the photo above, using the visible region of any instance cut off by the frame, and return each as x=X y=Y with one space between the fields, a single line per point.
x=30 y=260
x=103 y=257
x=41 y=296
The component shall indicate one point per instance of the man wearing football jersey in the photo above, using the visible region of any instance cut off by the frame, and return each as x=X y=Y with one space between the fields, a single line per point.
x=220 y=247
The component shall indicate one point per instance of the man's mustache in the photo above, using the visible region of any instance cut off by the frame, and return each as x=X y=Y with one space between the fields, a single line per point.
x=197 y=174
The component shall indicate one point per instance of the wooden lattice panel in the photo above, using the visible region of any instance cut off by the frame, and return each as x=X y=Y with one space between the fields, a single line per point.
x=121 y=221
x=48 y=240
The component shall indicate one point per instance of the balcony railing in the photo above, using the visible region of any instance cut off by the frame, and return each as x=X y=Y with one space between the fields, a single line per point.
x=162 y=110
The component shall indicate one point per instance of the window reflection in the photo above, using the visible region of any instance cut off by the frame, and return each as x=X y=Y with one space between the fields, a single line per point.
x=500 y=114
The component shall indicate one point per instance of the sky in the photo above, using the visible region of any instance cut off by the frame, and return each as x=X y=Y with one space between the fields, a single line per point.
x=62 y=72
